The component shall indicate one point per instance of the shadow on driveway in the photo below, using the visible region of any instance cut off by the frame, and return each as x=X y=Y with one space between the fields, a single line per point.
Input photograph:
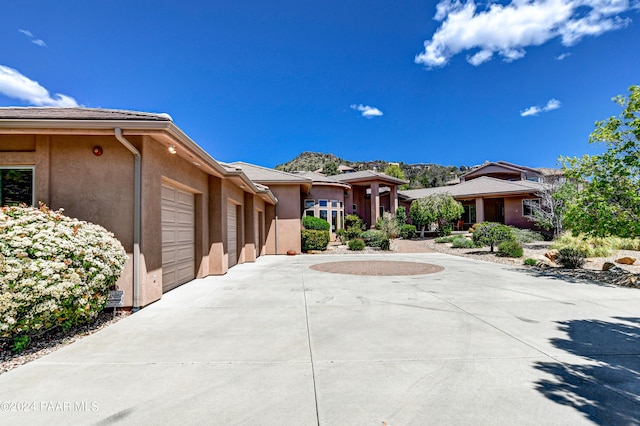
x=605 y=385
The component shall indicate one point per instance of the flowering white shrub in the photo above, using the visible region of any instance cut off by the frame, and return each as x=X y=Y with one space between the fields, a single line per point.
x=54 y=270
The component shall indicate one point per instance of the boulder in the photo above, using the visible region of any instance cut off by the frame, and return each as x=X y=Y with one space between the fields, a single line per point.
x=552 y=254
x=607 y=266
x=626 y=260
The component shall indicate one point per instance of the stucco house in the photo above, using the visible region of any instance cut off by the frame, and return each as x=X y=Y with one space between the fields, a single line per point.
x=496 y=191
x=178 y=212
x=372 y=193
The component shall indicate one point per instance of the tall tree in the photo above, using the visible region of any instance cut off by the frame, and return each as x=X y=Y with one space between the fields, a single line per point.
x=440 y=208
x=609 y=203
x=549 y=210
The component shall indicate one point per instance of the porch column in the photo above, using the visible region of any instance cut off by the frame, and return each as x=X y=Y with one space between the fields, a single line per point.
x=375 y=203
x=479 y=210
x=393 y=205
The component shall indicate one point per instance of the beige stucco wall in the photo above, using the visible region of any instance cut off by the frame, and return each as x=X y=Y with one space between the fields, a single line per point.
x=99 y=189
x=289 y=215
x=513 y=213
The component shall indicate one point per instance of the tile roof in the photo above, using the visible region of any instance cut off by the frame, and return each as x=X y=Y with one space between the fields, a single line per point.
x=367 y=174
x=320 y=178
x=77 y=113
x=483 y=185
x=266 y=175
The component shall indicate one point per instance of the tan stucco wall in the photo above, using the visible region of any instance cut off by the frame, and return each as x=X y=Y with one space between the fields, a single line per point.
x=100 y=190
x=289 y=219
x=513 y=213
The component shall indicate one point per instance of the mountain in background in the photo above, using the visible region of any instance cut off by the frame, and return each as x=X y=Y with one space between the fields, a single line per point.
x=419 y=175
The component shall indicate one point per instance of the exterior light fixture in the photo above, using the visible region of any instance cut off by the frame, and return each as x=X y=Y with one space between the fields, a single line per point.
x=172 y=149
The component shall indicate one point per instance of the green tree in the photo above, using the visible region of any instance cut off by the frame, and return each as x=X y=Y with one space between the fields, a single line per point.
x=492 y=233
x=330 y=169
x=395 y=171
x=609 y=203
x=440 y=208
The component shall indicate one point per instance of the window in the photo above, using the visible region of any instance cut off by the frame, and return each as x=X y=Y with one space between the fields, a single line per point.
x=334 y=220
x=16 y=186
x=354 y=208
x=309 y=204
x=529 y=206
x=323 y=203
x=334 y=204
x=323 y=214
x=309 y=213
x=469 y=215
x=381 y=211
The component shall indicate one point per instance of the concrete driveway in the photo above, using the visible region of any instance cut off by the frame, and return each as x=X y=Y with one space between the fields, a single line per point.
x=277 y=343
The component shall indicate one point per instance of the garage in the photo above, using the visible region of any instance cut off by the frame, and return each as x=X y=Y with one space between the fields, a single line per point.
x=178 y=237
x=232 y=234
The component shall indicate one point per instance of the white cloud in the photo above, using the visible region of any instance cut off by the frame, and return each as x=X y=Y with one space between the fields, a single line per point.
x=563 y=56
x=508 y=29
x=367 y=111
x=535 y=110
x=17 y=86
x=37 y=41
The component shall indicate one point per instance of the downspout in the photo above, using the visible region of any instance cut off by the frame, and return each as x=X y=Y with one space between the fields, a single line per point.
x=276 y=228
x=137 y=216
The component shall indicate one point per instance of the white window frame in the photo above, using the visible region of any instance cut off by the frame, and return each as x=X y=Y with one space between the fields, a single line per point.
x=33 y=178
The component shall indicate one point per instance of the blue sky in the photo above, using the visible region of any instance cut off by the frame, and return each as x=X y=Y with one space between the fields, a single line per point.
x=415 y=81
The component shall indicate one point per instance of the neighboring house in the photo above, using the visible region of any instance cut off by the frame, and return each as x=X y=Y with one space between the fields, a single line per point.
x=496 y=192
x=178 y=212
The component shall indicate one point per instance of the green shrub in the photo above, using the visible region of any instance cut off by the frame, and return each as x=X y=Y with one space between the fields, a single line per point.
x=444 y=229
x=401 y=216
x=357 y=244
x=341 y=235
x=375 y=238
x=491 y=234
x=571 y=258
x=314 y=240
x=629 y=244
x=590 y=246
x=407 y=232
x=315 y=223
x=354 y=226
x=55 y=271
x=530 y=262
x=510 y=249
x=353 y=232
x=442 y=240
x=387 y=224
x=353 y=220
x=462 y=242
x=524 y=236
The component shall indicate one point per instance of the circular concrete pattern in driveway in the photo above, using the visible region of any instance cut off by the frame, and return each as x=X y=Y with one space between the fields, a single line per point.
x=377 y=268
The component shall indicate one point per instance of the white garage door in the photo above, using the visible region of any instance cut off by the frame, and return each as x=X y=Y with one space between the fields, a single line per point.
x=232 y=234
x=178 y=237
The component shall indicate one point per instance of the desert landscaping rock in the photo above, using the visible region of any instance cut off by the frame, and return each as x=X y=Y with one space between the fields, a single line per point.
x=627 y=260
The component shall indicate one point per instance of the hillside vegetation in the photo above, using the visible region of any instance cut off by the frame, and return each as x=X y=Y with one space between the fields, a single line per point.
x=418 y=175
